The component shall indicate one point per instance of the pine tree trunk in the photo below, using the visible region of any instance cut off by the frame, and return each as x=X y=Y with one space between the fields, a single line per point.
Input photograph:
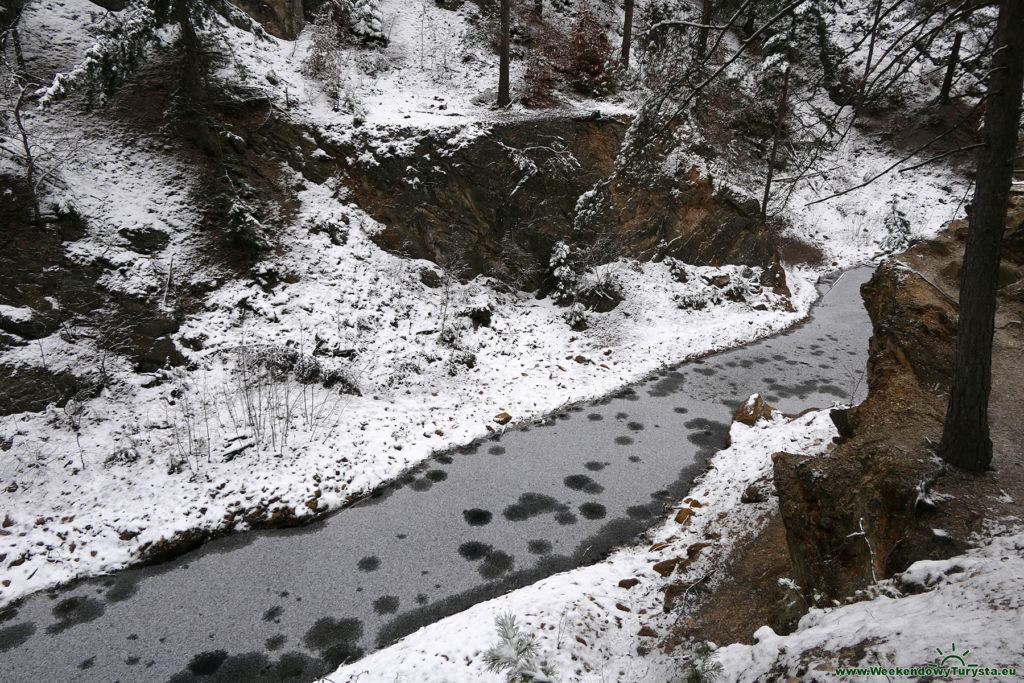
x=965 y=435
x=627 y=33
x=954 y=59
x=503 y=58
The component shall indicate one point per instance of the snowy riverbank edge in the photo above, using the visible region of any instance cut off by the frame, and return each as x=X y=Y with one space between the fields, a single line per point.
x=603 y=622
x=107 y=517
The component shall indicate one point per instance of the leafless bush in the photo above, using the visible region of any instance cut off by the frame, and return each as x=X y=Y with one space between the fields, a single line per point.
x=272 y=395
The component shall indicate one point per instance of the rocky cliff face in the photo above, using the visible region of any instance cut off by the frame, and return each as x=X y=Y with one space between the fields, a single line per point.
x=685 y=216
x=498 y=204
x=868 y=508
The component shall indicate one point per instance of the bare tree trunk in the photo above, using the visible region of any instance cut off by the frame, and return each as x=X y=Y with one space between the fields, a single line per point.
x=503 y=87
x=30 y=165
x=862 y=94
x=627 y=33
x=702 y=32
x=965 y=434
x=12 y=15
x=954 y=59
x=779 y=120
x=538 y=9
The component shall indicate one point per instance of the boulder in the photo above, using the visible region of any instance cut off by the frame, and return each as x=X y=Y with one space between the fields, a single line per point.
x=753 y=410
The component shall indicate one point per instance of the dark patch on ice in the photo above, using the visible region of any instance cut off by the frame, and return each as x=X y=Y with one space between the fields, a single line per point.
x=496 y=450
x=474 y=550
x=273 y=613
x=14 y=636
x=595 y=466
x=621 y=416
x=445 y=459
x=623 y=440
x=86 y=663
x=122 y=588
x=668 y=384
x=639 y=512
x=593 y=511
x=207 y=663
x=333 y=637
x=707 y=372
x=421 y=485
x=73 y=611
x=531 y=505
x=370 y=563
x=274 y=643
x=581 y=482
x=495 y=564
x=436 y=475
x=806 y=388
x=681 y=410
x=539 y=546
x=636 y=426
x=595 y=417
x=256 y=667
x=565 y=517
x=385 y=604
x=634 y=458
x=477 y=517
x=421 y=598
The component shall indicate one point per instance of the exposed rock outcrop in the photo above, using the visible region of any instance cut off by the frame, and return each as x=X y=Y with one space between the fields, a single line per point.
x=867 y=509
x=496 y=205
x=860 y=513
x=685 y=216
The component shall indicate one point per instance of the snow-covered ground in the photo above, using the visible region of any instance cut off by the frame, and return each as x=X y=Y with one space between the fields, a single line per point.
x=965 y=625
x=90 y=487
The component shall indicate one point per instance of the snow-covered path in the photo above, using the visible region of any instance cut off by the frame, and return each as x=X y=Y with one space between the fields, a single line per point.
x=291 y=605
